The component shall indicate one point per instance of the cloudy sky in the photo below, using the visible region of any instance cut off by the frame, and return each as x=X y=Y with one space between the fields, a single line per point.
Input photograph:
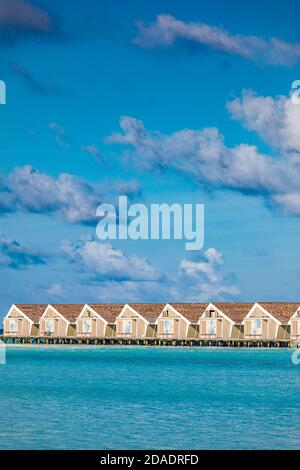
x=163 y=101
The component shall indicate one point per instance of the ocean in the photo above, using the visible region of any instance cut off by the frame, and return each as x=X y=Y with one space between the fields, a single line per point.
x=71 y=397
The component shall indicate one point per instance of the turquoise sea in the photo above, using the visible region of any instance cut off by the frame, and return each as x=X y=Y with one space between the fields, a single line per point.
x=149 y=398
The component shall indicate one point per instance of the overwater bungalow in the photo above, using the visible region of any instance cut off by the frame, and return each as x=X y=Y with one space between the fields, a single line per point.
x=59 y=320
x=223 y=320
x=229 y=321
x=23 y=320
x=138 y=320
x=294 y=324
x=97 y=320
x=269 y=320
x=179 y=320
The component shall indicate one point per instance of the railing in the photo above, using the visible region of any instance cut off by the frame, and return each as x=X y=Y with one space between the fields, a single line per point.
x=210 y=336
x=261 y=336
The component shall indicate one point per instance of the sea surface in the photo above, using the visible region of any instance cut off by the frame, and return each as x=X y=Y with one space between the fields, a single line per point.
x=67 y=397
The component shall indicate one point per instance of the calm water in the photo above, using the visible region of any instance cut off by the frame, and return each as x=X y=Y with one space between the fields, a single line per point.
x=131 y=398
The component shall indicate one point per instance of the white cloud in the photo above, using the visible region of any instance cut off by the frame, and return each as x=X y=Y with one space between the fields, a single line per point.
x=275 y=120
x=203 y=155
x=167 y=29
x=72 y=199
x=121 y=277
x=104 y=261
x=17 y=256
x=203 y=279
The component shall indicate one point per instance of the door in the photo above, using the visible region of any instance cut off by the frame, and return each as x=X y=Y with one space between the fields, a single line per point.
x=177 y=332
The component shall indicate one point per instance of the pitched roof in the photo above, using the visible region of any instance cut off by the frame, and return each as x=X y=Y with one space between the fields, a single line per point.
x=234 y=310
x=32 y=311
x=69 y=311
x=283 y=311
x=190 y=311
x=149 y=311
x=107 y=311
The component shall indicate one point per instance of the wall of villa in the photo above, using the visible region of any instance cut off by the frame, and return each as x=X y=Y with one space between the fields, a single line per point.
x=130 y=325
x=269 y=326
x=177 y=326
x=90 y=324
x=21 y=326
x=59 y=325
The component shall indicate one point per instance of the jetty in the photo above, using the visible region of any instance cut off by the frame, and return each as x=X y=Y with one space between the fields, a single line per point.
x=114 y=341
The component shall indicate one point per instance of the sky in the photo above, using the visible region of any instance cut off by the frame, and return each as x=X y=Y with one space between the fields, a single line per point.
x=165 y=102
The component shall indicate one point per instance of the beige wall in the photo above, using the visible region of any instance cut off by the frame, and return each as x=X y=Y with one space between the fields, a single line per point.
x=295 y=328
x=214 y=320
x=24 y=326
x=35 y=330
x=60 y=325
x=151 y=331
x=237 y=332
x=71 y=330
x=177 y=327
x=138 y=325
x=193 y=331
x=97 y=325
x=269 y=327
x=283 y=332
x=110 y=330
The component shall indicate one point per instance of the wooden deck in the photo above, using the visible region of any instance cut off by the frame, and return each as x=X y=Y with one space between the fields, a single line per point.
x=237 y=343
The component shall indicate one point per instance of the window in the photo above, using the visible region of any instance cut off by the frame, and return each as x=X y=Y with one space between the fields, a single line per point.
x=49 y=326
x=212 y=314
x=127 y=327
x=87 y=325
x=257 y=326
x=13 y=326
x=211 y=327
x=168 y=327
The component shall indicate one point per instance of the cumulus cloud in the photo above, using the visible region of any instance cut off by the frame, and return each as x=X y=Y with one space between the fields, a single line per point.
x=166 y=30
x=203 y=155
x=73 y=199
x=17 y=256
x=275 y=120
x=21 y=18
x=121 y=277
x=106 y=262
x=202 y=278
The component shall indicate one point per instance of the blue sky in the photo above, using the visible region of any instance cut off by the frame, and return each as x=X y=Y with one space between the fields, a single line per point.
x=165 y=101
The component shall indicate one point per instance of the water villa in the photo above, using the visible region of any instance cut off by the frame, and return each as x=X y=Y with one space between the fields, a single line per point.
x=212 y=324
